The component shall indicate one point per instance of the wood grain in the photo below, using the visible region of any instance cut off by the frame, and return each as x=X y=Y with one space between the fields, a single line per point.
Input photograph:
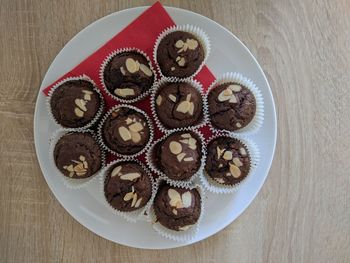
x=302 y=213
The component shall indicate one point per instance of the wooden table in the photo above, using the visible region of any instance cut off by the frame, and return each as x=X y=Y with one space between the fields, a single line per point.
x=302 y=213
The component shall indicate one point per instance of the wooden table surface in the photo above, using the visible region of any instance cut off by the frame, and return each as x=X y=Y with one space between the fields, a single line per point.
x=302 y=213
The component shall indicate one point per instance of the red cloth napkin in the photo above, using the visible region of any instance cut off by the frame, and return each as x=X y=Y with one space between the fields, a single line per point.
x=142 y=34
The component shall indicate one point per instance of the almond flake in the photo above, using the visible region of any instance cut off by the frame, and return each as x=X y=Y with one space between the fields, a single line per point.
x=128 y=196
x=175 y=147
x=78 y=112
x=186 y=135
x=131 y=65
x=122 y=70
x=130 y=176
x=242 y=151
x=124 y=133
x=159 y=100
x=146 y=70
x=174 y=211
x=227 y=155
x=172 y=97
x=134 y=199
x=235 y=171
x=237 y=162
x=186 y=199
x=138 y=202
x=81 y=104
x=183 y=106
x=116 y=171
x=135 y=137
x=188 y=159
x=180 y=156
x=136 y=127
x=235 y=88
x=124 y=92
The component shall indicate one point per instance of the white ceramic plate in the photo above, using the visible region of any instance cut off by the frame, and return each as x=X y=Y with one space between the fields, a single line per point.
x=228 y=54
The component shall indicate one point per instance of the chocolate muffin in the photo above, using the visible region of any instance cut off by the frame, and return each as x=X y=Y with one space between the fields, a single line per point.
x=180 y=54
x=177 y=208
x=178 y=105
x=179 y=155
x=77 y=155
x=228 y=161
x=125 y=131
x=128 y=75
x=231 y=106
x=127 y=186
x=75 y=103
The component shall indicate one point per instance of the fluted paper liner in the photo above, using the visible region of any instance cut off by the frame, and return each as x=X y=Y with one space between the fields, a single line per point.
x=130 y=216
x=215 y=187
x=195 y=84
x=108 y=59
x=71 y=183
x=179 y=236
x=95 y=88
x=199 y=33
x=172 y=182
x=258 y=118
x=100 y=131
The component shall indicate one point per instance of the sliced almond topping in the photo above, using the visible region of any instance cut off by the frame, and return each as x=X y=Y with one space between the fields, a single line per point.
x=242 y=151
x=128 y=196
x=219 y=180
x=175 y=198
x=224 y=95
x=81 y=104
x=135 y=137
x=179 y=44
x=85 y=164
x=122 y=70
x=175 y=147
x=146 y=70
x=80 y=173
x=227 y=92
x=186 y=135
x=192 y=142
x=124 y=133
x=233 y=99
x=183 y=106
x=192 y=43
x=134 y=199
x=184 y=141
x=186 y=199
x=87 y=92
x=82 y=158
x=188 y=159
x=70 y=168
x=71 y=174
x=131 y=65
x=181 y=62
x=87 y=97
x=184 y=228
x=188 y=97
x=78 y=112
x=138 y=202
x=238 y=125
x=180 y=156
x=237 y=162
x=130 y=176
x=191 y=109
x=172 y=97
x=159 y=100
x=235 y=171
x=235 y=88
x=79 y=168
x=172 y=68
x=124 y=92
x=227 y=155
x=116 y=171
x=220 y=165
x=219 y=151
x=128 y=121
x=136 y=127
x=174 y=211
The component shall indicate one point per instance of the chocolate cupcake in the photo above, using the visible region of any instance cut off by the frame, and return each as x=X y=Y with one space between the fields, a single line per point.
x=232 y=106
x=178 y=105
x=127 y=186
x=181 y=53
x=228 y=161
x=75 y=103
x=77 y=155
x=128 y=75
x=177 y=208
x=125 y=131
x=179 y=155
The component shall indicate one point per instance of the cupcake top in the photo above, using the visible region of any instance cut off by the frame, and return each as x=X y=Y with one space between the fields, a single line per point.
x=125 y=131
x=228 y=161
x=177 y=208
x=77 y=155
x=75 y=103
x=179 y=155
x=231 y=106
x=127 y=186
x=180 y=54
x=178 y=105
x=128 y=75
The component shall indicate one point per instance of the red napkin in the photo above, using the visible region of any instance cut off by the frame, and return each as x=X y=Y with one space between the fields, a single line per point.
x=142 y=34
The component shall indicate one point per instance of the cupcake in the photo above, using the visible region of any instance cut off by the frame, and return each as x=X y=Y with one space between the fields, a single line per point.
x=178 y=105
x=125 y=131
x=128 y=75
x=77 y=155
x=177 y=208
x=232 y=106
x=180 y=53
x=75 y=103
x=228 y=161
x=179 y=155
x=127 y=186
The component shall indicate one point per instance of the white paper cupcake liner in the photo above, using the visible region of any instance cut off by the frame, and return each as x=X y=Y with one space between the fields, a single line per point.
x=194 y=84
x=100 y=131
x=95 y=88
x=109 y=57
x=215 y=187
x=73 y=184
x=162 y=175
x=258 y=119
x=131 y=216
x=199 y=33
x=185 y=235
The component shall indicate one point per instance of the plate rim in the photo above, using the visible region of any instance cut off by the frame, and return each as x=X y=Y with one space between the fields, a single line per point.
x=167 y=8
